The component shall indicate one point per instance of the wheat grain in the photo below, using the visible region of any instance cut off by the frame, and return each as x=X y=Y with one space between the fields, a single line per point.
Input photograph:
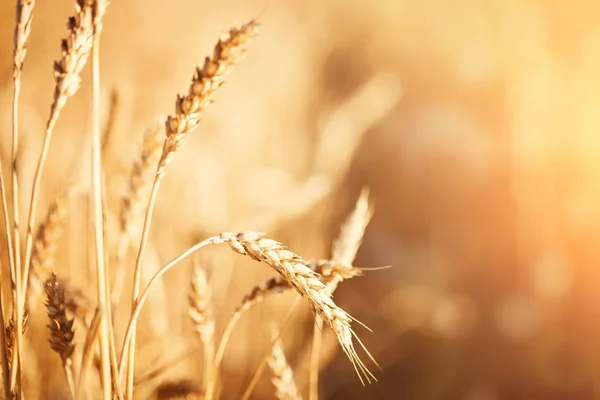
x=327 y=270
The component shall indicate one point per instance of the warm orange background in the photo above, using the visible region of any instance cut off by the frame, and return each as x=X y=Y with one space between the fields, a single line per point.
x=483 y=165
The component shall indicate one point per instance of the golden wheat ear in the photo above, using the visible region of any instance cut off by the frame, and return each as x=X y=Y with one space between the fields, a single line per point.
x=307 y=283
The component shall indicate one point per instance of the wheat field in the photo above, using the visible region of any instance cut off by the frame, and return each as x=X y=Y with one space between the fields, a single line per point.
x=301 y=199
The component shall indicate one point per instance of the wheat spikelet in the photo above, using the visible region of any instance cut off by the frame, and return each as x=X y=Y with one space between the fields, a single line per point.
x=327 y=271
x=205 y=82
x=22 y=31
x=306 y=282
x=202 y=314
x=61 y=327
x=283 y=375
x=75 y=50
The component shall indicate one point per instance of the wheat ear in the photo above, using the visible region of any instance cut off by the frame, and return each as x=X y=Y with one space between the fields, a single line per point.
x=283 y=375
x=344 y=251
x=75 y=50
x=286 y=263
x=24 y=15
x=202 y=315
x=205 y=81
x=61 y=327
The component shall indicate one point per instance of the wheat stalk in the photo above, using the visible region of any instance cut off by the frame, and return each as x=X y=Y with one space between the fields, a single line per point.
x=106 y=337
x=283 y=375
x=205 y=82
x=24 y=15
x=75 y=50
x=286 y=263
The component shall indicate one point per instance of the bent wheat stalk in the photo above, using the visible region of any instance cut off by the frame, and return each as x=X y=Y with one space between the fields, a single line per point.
x=295 y=271
x=24 y=15
x=188 y=109
x=75 y=50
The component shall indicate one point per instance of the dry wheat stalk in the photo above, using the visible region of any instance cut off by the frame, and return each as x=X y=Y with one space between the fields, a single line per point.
x=283 y=375
x=75 y=50
x=106 y=335
x=24 y=15
x=302 y=278
x=202 y=314
x=61 y=327
x=205 y=82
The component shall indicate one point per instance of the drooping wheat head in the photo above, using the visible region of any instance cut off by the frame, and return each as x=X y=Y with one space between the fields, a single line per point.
x=307 y=283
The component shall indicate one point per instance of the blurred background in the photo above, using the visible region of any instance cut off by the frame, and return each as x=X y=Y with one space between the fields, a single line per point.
x=473 y=123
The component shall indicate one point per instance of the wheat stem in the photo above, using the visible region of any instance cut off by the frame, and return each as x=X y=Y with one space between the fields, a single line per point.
x=101 y=269
x=188 y=109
